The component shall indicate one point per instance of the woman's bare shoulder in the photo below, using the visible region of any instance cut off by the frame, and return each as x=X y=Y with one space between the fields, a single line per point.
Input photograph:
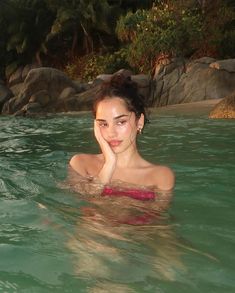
x=82 y=157
x=164 y=177
x=81 y=162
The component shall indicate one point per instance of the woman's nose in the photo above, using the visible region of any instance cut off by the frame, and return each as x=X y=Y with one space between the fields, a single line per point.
x=112 y=131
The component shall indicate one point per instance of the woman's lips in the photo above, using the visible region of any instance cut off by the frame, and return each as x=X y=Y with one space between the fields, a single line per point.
x=114 y=143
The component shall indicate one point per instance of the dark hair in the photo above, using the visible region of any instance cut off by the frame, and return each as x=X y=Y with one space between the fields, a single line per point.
x=123 y=87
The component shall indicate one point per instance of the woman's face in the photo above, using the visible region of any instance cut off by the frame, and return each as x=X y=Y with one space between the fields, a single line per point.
x=117 y=124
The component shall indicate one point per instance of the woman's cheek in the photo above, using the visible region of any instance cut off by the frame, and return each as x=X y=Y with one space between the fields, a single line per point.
x=129 y=132
x=125 y=129
x=103 y=133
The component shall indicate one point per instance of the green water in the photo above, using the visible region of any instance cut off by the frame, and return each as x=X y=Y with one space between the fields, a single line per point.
x=49 y=244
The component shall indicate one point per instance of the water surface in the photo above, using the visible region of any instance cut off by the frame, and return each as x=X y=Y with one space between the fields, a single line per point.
x=55 y=240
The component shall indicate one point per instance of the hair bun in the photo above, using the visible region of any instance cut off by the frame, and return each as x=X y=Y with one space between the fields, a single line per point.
x=121 y=80
x=122 y=86
x=118 y=80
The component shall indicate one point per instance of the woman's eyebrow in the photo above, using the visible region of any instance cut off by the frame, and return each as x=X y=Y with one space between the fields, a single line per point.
x=102 y=120
x=115 y=118
x=120 y=116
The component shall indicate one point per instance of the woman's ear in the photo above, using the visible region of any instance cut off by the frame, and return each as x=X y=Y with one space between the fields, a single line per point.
x=140 y=123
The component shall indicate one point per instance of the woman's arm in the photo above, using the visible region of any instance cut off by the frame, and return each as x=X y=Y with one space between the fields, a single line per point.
x=164 y=178
x=79 y=178
x=83 y=184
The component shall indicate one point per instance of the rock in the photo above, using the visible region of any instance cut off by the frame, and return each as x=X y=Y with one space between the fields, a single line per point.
x=205 y=60
x=85 y=99
x=8 y=107
x=50 y=79
x=19 y=75
x=43 y=86
x=20 y=112
x=227 y=65
x=124 y=72
x=33 y=108
x=42 y=97
x=225 y=108
x=26 y=70
x=80 y=86
x=107 y=77
x=10 y=69
x=5 y=94
x=17 y=88
x=143 y=83
x=30 y=110
x=166 y=78
x=191 y=82
x=16 y=77
x=175 y=81
x=79 y=102
x=66 y=93
x=103 y=77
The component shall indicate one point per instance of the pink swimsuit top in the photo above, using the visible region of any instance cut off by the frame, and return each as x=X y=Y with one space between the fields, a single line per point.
x=133 y=193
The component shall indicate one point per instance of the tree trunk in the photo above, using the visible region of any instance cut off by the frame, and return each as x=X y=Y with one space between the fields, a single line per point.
x=38 y=58
x=87 y=40
x=74 y=44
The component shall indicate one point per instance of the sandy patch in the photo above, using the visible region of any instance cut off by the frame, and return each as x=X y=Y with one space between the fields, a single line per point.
x=201 y=108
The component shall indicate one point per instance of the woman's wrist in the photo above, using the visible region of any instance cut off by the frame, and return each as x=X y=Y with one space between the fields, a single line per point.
x=106 y=173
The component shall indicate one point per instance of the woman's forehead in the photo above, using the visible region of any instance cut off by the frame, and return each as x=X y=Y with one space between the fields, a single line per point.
x=112 y=107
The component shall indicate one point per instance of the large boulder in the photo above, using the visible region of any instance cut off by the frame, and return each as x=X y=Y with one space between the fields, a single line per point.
x=80 y=101
x=15 y=80
x=5 y=94
x=42 y=86
x=227 y=65
x=225 y=108
x=179 y=81
x=143 y=81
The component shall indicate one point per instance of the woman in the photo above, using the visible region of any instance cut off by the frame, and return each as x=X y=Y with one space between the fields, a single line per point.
x=119 y=117
x=111 y=231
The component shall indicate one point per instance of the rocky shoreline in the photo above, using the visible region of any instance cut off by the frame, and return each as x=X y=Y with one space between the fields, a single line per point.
x=33 y=91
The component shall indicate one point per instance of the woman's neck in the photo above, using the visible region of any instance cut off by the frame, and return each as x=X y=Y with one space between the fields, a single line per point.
x=128 y=158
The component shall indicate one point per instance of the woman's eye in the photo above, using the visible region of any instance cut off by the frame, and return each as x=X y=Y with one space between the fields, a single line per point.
x=103 y=124
x=121 y=122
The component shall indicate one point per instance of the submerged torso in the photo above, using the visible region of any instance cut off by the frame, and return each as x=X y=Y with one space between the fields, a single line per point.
x=140 y=194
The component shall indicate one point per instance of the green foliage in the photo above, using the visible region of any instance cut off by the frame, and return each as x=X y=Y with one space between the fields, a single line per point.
x=80 y=20
x=129 y=25
x=159 y=31
x=227 y=44
x=89 y=66
x=26 y=26
x=53 y=32
x=219 y=29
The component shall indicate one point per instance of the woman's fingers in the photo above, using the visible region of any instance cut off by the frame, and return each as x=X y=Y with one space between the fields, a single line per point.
x=105 y=147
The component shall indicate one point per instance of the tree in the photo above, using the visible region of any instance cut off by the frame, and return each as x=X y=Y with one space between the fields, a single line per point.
x=80 y=21
x=161 y=30
x=27 y=24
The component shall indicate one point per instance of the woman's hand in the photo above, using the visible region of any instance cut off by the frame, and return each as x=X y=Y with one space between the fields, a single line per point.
x=110 y=157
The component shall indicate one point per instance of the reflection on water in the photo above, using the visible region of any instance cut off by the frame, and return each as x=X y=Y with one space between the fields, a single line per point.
x=56 y=240
x=109 y=243
x=120 y=238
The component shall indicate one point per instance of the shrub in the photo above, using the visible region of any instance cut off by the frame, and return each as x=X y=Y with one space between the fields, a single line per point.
x=89 y=66
x=160 y=30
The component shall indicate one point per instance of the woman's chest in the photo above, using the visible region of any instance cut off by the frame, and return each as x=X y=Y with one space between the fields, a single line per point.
x=134 y=176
